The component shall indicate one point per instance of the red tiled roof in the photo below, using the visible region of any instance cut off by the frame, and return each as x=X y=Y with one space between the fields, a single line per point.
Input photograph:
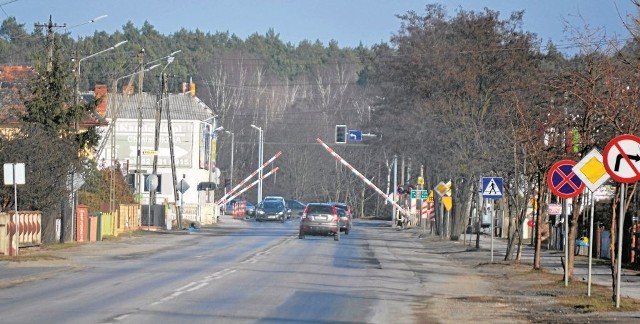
x=15 y=78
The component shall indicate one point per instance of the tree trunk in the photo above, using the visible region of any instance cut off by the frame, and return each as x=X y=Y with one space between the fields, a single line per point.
x=537 y=262
x=573 y=231
x=49 y=226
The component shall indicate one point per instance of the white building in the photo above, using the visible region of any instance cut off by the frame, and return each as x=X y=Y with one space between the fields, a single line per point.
x=194 y=142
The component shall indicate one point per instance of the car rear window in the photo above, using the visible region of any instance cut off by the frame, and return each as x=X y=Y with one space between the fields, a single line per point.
x=320 y=209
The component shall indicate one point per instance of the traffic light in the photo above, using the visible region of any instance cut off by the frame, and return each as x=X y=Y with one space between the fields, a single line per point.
x=341 y=134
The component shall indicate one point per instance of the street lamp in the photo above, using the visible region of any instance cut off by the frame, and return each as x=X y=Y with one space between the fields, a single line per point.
x=231 y=167
x=78 y=61
x=86 y=22
x=168 y=57
x=260 y=157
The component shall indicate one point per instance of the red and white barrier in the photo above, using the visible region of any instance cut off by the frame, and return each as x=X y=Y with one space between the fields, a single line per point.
x=369 y=183
x=247 y=187
x=427 y=210
x=230 y=192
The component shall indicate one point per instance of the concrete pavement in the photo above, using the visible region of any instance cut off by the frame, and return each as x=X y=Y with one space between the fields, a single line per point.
x=552 y=261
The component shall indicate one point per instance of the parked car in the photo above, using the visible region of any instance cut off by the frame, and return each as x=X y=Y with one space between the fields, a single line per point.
x=319 y=219
x=345 y=218
x=297 y=207
x=272 y=210
x=249 y=208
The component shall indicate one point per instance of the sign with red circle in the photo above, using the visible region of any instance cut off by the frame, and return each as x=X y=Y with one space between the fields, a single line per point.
x=621 y=158
x=563 y=181
x=531 y=223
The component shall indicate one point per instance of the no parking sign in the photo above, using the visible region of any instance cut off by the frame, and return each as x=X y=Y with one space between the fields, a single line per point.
x=563 y=181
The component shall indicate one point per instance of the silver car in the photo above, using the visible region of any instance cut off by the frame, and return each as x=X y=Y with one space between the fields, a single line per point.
x=319 y=219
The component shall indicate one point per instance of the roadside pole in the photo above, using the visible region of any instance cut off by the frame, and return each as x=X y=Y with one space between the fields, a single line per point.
x=620 y=237
x=491 y=213
x=593 y=202
x=565 y=241
x=491 y=190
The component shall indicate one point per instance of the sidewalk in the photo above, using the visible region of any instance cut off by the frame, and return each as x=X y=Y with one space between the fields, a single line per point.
x=551 y=261
x=42 y=264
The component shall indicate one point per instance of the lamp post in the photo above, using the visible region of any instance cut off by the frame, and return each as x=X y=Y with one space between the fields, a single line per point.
x=78 y=61
x=260 y=157
x=231 y=166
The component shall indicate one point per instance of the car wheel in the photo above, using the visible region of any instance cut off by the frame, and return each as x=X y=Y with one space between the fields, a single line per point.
x=301 y=235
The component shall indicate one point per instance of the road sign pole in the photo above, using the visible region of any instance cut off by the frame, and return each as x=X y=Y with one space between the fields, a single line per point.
x=492 y=215
x=565 y=214
x=590 y=242
x=424 y=219
x=620 y=229
x=16 y=218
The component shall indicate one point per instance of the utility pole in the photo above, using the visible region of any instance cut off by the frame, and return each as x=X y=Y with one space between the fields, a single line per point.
x=173 y=169
x=156 y=143
x=139 y=146
x=50 y=41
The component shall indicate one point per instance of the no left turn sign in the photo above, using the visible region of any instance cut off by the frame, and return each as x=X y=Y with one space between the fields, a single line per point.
x=621 y=158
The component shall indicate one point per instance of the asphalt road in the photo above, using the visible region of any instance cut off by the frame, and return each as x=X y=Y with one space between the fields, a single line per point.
x=257 y=272
x=250 y=272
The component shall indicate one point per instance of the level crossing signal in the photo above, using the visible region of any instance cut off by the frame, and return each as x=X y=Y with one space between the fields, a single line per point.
x=341 y=134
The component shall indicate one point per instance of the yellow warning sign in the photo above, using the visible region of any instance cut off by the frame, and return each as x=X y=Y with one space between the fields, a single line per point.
x=430 y=197
x=447 y=201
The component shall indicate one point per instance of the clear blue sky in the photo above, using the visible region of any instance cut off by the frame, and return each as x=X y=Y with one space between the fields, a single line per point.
x=349 y=22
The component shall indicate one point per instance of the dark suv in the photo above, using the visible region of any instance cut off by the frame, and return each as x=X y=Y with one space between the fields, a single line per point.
x=319 y=219
x=271 y=210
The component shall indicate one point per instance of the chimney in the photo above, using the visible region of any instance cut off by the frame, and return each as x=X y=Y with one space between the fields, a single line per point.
x=101 y=95
x=128 y=89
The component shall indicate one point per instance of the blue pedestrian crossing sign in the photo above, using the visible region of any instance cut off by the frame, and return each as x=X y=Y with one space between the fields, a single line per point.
x=492 y=187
